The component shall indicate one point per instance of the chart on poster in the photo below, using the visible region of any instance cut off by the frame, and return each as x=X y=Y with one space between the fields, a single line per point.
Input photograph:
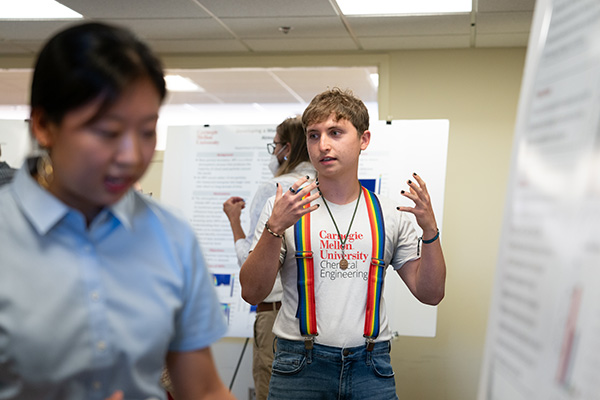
x=205 y=165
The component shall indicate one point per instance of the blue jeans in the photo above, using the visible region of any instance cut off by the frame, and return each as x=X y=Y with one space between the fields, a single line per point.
x=331 y=373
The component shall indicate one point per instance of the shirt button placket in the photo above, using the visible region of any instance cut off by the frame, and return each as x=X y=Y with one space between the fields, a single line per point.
x=97 y=314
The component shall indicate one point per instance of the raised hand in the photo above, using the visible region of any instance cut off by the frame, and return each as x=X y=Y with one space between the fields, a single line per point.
x=423 y=211
x=233 y=207
x=289 y=204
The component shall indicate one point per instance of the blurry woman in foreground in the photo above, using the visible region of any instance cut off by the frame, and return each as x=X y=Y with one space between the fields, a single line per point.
x=99 y=285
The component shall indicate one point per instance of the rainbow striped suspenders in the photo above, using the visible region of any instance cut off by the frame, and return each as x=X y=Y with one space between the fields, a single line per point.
x=377 y=266
x=306 y=312
x=306 y=277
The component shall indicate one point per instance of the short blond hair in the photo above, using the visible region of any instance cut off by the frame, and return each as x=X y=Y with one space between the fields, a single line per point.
x=342 y=103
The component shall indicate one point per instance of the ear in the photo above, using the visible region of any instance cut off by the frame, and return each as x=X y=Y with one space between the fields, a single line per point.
x=42 y=129
x=365 y=139
x=287 y=150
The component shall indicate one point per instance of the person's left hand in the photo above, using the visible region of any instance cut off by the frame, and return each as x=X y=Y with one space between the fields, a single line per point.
x=423 y=211
x=233 y=207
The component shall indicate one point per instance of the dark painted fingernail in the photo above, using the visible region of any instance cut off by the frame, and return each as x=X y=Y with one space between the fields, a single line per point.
x=318 y=205
x=402 y=191
x=307 y=177
x=277 y=184
x=414 y=173
x=409 y=182
x=398 y=208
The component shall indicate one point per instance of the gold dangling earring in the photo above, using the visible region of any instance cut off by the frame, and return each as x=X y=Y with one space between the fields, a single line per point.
x=45 y=170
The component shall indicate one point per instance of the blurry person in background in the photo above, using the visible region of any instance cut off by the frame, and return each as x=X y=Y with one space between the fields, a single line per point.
x=6 y=172
x=100 y=286
x=289 y=162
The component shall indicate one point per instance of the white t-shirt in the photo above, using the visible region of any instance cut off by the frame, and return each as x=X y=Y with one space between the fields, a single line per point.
x=264 y=191
x=341 y=294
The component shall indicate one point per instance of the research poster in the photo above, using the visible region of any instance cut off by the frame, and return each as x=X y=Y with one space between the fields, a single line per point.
x=543 y=340
x=205 y=165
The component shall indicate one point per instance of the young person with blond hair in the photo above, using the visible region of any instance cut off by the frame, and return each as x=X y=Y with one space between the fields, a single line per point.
x=332 y=241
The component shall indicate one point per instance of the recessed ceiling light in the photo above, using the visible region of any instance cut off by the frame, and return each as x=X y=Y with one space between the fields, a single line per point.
x=178 y=83
x=403 y=7
x=36 y=9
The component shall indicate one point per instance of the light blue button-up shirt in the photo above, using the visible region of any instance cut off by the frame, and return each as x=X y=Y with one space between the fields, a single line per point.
x=85 y=311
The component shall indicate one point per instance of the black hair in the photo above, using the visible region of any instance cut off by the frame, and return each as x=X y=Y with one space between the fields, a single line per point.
x=90 y=61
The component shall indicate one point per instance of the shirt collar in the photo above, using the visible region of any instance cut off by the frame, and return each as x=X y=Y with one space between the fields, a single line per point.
x=40 y=207
x=124 y=209
x=44 y=210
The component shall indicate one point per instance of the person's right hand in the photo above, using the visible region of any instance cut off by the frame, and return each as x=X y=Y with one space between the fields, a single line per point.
x=233 y=207
x=289 y=206
x=118 y=395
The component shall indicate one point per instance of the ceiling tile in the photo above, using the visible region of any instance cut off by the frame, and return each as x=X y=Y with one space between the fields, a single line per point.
x=513 y=22
x=187 y=28
x=31 y=30
x=269 y=8
x=301 y=27
x=293 y=44
x=410 y=26
x=173 y=29
x=505 y=5
x=196 y=46
x=117 y=9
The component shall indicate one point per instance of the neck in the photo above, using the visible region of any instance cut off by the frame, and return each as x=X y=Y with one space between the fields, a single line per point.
x=88 y=212
x=335 y=191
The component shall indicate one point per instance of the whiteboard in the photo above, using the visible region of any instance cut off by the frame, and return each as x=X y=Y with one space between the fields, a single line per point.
x=543 y=339
x=395 y=152
x=205 y=165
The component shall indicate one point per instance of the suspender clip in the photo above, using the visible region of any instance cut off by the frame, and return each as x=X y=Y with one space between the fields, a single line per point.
x=370 y=344
x=377 y=262
x=304 y=254
x=309 y=342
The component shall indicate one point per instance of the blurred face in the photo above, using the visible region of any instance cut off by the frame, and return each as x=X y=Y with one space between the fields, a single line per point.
x=334 y=147
x=96 y=162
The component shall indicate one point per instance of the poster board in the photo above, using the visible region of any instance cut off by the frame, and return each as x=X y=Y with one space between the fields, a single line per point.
x=205 y=165
x=543 y=339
